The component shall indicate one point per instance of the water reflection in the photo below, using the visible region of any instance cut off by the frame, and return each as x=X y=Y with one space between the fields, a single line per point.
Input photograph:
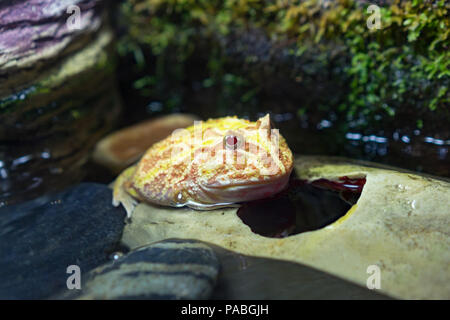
x=412 y=149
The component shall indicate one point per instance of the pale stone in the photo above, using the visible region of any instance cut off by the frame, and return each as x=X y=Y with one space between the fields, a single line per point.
x=401 y=223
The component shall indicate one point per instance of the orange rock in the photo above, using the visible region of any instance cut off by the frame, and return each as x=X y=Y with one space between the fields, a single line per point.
x=121 y=148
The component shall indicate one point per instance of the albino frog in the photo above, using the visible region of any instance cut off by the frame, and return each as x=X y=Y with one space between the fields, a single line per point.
x=211 y=164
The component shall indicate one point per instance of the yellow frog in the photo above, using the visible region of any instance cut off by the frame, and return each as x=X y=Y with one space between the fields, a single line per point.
x=211 y=164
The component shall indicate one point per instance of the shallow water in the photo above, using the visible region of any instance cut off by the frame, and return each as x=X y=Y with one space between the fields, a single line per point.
x=301 y=207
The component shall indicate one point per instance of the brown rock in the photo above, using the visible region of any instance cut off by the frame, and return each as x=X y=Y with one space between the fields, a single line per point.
x=121 y=148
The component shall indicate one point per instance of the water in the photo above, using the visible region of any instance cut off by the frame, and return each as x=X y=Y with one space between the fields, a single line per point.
x=302 y=207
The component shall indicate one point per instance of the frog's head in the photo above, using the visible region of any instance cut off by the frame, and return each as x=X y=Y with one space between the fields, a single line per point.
x=215 y=163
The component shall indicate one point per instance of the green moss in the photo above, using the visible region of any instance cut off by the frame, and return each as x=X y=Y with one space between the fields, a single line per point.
x=405 y=64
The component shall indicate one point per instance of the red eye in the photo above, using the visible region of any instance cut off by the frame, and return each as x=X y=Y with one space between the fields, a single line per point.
x=231 y=141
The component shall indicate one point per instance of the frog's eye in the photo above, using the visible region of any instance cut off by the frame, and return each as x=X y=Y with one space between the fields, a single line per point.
x=231 y=141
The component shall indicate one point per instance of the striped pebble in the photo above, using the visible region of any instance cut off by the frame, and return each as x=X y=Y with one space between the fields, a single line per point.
x=172 y=269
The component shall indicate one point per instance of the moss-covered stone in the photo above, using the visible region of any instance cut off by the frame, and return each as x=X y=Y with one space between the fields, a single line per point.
x=408 y=56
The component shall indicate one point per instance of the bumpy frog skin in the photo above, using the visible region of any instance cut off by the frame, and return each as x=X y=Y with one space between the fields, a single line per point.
x=212 y=164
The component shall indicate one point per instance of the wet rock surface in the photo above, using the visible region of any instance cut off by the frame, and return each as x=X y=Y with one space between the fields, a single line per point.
x=39 y=239
x=172 y=269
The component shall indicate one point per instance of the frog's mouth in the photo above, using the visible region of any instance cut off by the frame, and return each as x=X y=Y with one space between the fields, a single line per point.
x=206 y=206
x=225 y=195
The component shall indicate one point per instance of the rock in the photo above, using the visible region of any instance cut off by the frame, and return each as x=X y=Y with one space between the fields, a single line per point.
x=120 y=149
x=39 y=239
x=49 y=125
x=172 y=269
x=400 y=223
x=35 y=33
x=244 y=277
